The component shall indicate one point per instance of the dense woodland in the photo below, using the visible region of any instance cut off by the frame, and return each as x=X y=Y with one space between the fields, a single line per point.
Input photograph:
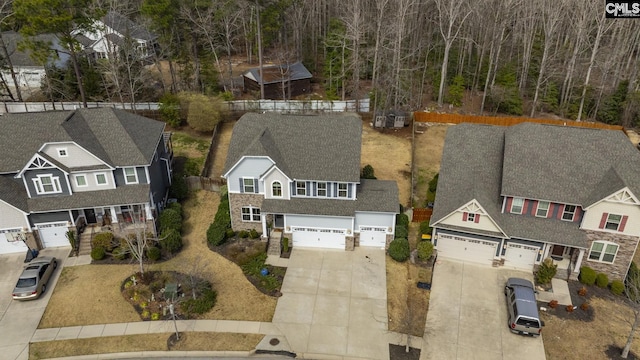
x=510 y=56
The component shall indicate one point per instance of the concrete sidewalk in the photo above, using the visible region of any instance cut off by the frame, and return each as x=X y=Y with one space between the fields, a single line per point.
x=559 y=291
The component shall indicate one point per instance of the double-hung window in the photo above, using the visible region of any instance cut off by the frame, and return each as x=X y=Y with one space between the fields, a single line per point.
x=301 y=188
x=251 y=214
x=47 y=184
x=569 y=212
x=81 y=180
x=342 y=190
x=603 y=251
x=101 y=179
x=249 y=185
x=130 y=175
x=543 y=209
x=321 y=190
x=613 y=222
x=516 y=206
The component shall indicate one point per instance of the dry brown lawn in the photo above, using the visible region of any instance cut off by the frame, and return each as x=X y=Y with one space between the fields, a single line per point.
x=574 y=339
x=222 y=146
x=407 y=305
x=193 y=341
x=429 y=141
x=90 y=294
x=390 y=155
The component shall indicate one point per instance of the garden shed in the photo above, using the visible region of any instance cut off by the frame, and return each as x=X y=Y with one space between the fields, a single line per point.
x=283 y=81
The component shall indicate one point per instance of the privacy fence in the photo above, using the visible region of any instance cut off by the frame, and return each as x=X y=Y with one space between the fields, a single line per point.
x=282 y=106
x=504 y=121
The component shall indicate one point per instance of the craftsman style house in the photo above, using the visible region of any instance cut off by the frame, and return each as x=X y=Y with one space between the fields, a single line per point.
x=513 y=196
x=62 y=170
x=300 y=175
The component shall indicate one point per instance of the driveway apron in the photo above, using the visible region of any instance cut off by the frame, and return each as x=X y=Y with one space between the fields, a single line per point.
x=19 y=319
x=467 y=316
x=335 y=303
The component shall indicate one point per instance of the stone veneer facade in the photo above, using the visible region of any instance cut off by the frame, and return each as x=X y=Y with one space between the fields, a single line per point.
x=236 y=202
x=627 y=247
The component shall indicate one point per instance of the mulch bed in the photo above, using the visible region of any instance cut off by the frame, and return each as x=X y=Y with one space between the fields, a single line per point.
x=398 y=352
x=578 y=313
x=241 y=251
x=614 y=353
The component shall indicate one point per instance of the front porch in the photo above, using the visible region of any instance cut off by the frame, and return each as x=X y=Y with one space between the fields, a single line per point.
x=567 y=258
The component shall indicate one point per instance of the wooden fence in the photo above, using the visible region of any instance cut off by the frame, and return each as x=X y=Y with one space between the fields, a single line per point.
x=204 y=183
x=504 y=121
x=421 y=214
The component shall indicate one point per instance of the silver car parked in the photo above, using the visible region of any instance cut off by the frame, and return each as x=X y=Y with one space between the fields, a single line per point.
x=34 y=278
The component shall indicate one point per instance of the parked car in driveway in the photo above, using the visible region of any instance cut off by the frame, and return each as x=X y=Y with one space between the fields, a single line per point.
x=34 y=278
x=523 y=309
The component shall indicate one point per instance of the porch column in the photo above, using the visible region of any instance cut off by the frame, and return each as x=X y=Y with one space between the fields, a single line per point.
x=547 y=249
x=114 y=216
x=263 y=220
x=579 y=261
x=147 y=211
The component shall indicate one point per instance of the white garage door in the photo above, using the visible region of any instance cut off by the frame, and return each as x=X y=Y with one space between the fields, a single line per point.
x=520 y=256
x=466 y=249
x=318 y=238
x=53 y=234
x=10 y=242
x=373 y=236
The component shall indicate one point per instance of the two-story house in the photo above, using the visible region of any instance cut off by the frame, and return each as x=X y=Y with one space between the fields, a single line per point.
x=110 y=34
x=301 y=174
x=513 y=196
x=64 y=169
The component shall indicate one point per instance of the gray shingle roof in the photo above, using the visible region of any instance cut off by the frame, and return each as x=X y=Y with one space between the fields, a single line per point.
x=117 y=137
x=323 y=147
x=275 y=73
x=546 y=162
x=22 y=58
x=123 y=195
x=124 y=26
x=372 y=196
x=565 y=164
x=12 y=191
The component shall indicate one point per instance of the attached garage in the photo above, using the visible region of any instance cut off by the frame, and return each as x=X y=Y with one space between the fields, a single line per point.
x=10 y=243
x=520 y=256
x=53 y=234
x=374 y=236
x=318 y=238
x=466 y=249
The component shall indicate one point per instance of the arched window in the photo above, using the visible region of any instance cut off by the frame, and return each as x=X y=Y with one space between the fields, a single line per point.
x=276 y=189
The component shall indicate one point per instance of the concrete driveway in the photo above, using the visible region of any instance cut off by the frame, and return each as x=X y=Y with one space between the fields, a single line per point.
x=334 y=303
x=467 y=316
x=19 y=320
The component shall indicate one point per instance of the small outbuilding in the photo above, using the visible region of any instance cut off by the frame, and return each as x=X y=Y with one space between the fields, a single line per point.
x=283 y=81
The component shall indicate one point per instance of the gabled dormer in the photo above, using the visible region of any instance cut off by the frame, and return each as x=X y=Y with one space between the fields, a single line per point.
x=276 y=184
x=44 y=176
x=470 y=215
x=618 y=212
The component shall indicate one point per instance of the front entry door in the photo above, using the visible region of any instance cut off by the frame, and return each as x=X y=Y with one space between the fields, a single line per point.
x=90 y=215
x=557 y=251
x=278 y=221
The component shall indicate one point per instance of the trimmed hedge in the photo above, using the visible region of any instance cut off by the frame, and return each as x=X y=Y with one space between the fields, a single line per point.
x=399 y=249
x=217 y=231
x=119 y=253
x=179 y=188
x=425 y=250
x=153 y=253
x=602 y=280
x=546 y=271
x=170 y=241
x=617 y=287
x=170 y=219
x=97 y=253
x=425 y=228
x=402 y=220
x=103 y=240
x=401 y=232
x=202 y=304
x=587 y=275
x=177 y=207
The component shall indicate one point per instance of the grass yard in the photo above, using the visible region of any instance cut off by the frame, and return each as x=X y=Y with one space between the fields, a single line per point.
x=429 y=141
x=222 y=146
x=390 y=155
x=192 y=341
x=90 y=294
x=190 y=151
